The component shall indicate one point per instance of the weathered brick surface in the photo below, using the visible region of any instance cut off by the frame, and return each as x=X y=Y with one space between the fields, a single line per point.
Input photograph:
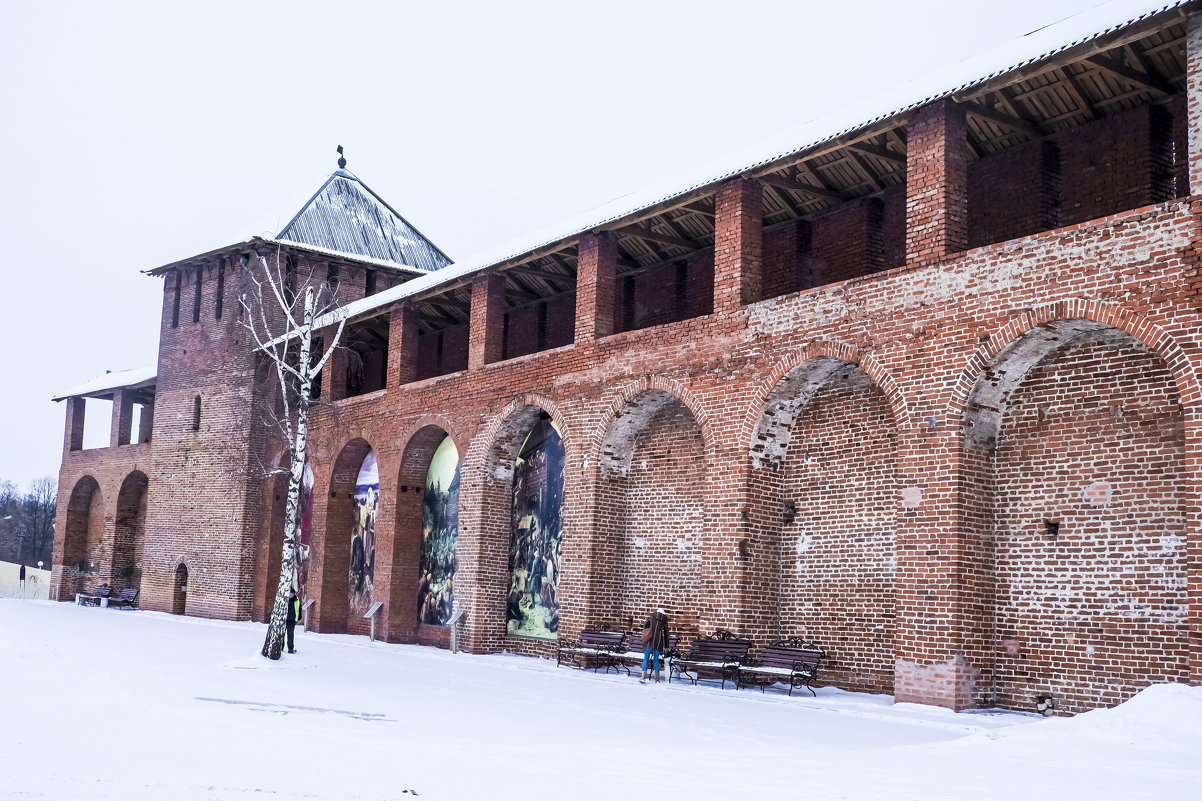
x=923 y=419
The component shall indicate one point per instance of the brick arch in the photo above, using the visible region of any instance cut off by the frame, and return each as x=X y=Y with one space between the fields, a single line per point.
x=672 y=390
x=420 y=439
x=652 y=463
x=334 y=553
x=1033 y=410
x=83 y=535
x=1019 y=342
x=791 y=384
x=410 y=433
x=180 y=577
x=822 y=524
x=129 y=537
x=485 y=499
x=480 y=450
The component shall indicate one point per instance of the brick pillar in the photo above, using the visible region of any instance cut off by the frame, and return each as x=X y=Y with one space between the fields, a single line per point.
x=941 y=567
x=1193 y=89
x=486 y=329
x=936 y=183
x=402 y=344
x=333 y=374
x=123 y=418
x=146 y=423
x=73 y=434
x=596 y=268
x=738 y=245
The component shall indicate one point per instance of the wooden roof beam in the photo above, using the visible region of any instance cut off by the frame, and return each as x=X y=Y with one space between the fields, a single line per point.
x=1014 y=123
x=1132 y=76
x=781 y=182
x=653 y=236
x=1074 y=89
x=878 y=152
x=545 y=275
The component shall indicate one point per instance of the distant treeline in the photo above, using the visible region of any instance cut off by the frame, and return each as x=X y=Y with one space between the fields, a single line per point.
x=27 y=521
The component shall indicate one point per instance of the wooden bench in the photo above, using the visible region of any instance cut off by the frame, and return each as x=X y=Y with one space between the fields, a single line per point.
x=127 y=598
x=792 y=661
x=100 y=595
x=595 y=645
x=632 y=655
x=715 y=657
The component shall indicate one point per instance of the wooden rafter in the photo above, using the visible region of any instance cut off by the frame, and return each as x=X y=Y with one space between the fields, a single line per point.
x=878 y=152
x=647 y=235
x=772 y=179
x=1132 y=76
x=1078 y=94
x=993 y=115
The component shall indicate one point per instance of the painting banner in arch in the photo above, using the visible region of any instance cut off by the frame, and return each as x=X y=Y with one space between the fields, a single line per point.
x=532 y=604
x=363 y=535
x=306 y=528
x=440 y=532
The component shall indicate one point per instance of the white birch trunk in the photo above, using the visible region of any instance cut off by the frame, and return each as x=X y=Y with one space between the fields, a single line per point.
x=303 y=376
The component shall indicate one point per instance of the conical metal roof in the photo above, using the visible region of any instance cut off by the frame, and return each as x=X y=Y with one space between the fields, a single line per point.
x=346 y=216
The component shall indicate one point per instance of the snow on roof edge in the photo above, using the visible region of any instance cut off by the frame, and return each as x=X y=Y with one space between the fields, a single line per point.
x=115 y=379
x=943 y=82
x=375 y=262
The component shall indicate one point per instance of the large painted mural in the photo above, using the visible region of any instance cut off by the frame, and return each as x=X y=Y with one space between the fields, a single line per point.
x=363 y=535
x=306 y=529
x=440 y=532
x=532 y=607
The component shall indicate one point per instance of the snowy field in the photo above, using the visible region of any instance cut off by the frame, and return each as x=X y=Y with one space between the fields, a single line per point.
x=105 y=705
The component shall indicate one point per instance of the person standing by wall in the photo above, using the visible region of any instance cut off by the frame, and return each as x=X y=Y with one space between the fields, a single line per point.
x=655 y=642
x=293 y=616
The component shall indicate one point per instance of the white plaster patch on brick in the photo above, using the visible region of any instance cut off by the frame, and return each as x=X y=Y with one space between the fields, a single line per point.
x=1098 y=493
x=911 y=497
x=779 y=315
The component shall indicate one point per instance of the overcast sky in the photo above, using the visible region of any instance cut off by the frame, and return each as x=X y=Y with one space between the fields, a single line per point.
x=135 y=134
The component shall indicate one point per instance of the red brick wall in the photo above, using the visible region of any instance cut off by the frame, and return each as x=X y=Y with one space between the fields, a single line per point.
x=652 y=525
x=1116 y=163
x=1013 y=193
x=846 y=243
x=932 y=336
x=1093 y=439
x=837 y=563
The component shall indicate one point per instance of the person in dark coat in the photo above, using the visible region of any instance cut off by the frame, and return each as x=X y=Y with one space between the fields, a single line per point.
x=655 y=644
x=293 y=616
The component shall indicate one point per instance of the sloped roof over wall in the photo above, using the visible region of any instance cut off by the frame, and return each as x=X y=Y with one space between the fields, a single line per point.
x=1090 y=27
x=346 y=217
x=103 y=386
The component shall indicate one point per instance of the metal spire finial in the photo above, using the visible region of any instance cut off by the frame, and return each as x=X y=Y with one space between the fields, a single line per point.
x=341 y=160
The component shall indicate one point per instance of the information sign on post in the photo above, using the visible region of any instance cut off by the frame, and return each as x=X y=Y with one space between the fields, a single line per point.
x=454 y=624
x=371 y=615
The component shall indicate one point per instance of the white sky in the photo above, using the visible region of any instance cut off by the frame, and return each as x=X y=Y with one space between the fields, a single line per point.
x=136 y=134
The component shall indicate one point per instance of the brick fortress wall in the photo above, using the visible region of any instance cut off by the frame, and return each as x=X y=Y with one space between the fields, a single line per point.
x=853 y=429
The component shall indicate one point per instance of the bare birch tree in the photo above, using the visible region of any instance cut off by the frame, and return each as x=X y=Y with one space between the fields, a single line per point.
x=280 y=326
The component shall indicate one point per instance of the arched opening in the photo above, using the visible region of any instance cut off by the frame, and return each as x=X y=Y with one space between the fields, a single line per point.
x=496 y=587
x=349 y=545
x=84 y=538
x=425 y=549
x=179 y=591
x=650 y=511
x=1073 y=451
x=130 y=533
x=824 y=519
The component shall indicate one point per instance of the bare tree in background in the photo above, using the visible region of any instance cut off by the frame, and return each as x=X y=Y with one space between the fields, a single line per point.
x=282 y=326
x=37 y=523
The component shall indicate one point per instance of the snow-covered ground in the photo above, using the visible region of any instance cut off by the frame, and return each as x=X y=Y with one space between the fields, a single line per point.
x=104 y=704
